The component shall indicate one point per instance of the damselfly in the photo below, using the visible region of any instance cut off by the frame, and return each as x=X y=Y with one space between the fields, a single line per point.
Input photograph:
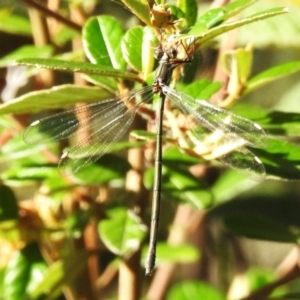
x=110 y=119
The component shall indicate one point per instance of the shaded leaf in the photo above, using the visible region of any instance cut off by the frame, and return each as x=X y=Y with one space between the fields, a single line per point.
x=262 y=217
x=281 y=159
x=275 y=123
x=178 y=182
x=8 y=204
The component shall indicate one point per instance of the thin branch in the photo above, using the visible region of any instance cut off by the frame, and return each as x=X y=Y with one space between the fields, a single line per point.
x=46 y=11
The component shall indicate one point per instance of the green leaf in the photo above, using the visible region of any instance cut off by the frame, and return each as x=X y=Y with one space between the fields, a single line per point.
x=259 y=227
x=140 y=8
x=56 y=97
x=31 y=173
x=261 y=217
x=282 y=124
x=202 y=36
x=101 y=42
x=211 y=18
x=180 y=184
x=76 y=67
x=167 y=253
x=2 y=274
x=187 y=290
x=64 y=35
x=106 y=83
x=281 y=160
x=230 y=185
x=138 y=47
x=258 y=278
x=202 y=89
x=235 y=7
x=15 y=149
x=14 y=24
x=26 y=52
x=24 y=271
x=237 y=64
x=214 y=17
x=272 y=74
x=107 y=168
x=60 y=273
x=122 y=232
x=190 y=8
x=8 y=204
x=174 y=155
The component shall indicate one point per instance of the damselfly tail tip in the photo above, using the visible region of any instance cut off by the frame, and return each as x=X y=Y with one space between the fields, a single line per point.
x=148 y=271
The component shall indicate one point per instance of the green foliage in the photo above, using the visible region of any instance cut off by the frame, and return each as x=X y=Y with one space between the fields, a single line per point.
x=120 y=55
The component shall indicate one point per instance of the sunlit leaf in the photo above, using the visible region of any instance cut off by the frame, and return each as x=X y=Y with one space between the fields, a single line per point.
x=272 y=74
x=79 y=67
x=138 y=47
x=202 y=89
x=101 y=41
x=24 y=271
x=189 y=7
x=237 y=6
x=140 y=8
x=60 y=273
x=26 y=51
x=38 y=172
x=122 y=231
x=56 y=97
x=14 y=24
x=108 y=167
x=201 y=35
x=167 y=253
x=187 y=290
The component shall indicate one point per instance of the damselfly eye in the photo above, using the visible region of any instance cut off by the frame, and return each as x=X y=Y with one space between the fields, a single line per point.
x=173 y=53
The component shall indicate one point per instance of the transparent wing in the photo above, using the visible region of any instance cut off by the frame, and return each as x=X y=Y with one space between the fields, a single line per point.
x=231 y=126
x=229 y=134
x=244 y=161
x=101 y=124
